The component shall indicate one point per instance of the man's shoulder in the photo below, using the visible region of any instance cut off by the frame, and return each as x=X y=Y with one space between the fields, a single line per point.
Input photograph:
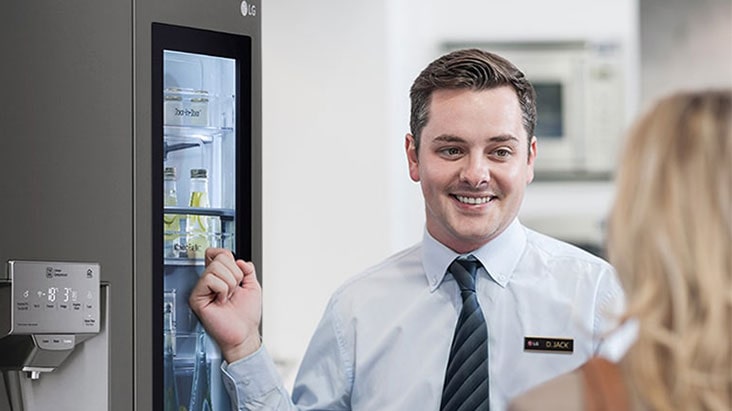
x=385 y=282
x=394 y=268
x=556 y=250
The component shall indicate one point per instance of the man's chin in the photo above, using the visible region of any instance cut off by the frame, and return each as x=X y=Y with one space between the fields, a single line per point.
x=469 y=240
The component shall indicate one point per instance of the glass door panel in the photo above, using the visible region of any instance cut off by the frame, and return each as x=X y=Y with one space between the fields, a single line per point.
x=201 y=132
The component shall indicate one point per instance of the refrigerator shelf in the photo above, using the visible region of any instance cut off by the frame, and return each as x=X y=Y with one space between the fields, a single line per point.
x=188 y=262
x=217 y=236
x=179 y=254
x=204 y=134
x=224 y=213
x=191 y=93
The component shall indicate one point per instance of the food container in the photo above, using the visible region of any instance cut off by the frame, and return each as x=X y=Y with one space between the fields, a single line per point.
x=186 y=108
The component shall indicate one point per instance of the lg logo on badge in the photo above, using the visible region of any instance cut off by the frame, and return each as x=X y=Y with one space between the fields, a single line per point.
x=248 y=9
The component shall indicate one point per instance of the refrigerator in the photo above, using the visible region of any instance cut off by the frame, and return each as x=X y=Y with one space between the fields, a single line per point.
x=100 y=98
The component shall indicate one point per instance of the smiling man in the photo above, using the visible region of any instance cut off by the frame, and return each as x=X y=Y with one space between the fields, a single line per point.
x=479 y=311
x=475 y=162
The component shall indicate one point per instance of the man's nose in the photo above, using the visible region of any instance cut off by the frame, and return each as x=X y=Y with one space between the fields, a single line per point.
x=476 y=170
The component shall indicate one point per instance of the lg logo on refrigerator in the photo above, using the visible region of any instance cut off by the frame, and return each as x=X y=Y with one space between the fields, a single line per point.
x=248 y=9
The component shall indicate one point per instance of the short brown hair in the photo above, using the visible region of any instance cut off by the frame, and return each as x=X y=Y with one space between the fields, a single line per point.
x=472 y=69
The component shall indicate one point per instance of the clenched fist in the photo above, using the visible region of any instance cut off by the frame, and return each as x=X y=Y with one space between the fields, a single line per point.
x=228 y=301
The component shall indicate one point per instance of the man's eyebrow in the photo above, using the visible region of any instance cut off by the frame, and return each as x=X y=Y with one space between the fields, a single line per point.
x=450 y=138
x=505 y=137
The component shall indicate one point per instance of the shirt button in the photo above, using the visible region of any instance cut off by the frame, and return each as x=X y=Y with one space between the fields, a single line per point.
x=247 y=381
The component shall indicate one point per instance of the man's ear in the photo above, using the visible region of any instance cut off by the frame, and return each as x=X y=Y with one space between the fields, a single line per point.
x=531 y=160
x=412 y=159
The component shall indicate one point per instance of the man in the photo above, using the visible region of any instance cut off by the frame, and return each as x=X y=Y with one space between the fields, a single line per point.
x=389 y=335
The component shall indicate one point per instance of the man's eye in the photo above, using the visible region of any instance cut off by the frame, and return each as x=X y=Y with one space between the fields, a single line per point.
x=451 y=151
x=502 y=152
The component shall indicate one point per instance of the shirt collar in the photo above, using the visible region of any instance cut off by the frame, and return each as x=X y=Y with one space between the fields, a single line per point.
x=499 y=256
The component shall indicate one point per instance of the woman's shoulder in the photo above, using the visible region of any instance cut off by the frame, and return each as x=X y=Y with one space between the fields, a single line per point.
x=560 y=393
x=596 y=385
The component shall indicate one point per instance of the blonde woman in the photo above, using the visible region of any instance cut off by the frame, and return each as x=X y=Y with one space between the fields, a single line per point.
x=670 y=239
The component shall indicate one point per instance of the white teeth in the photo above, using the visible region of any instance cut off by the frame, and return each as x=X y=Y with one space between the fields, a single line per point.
x=473 y=200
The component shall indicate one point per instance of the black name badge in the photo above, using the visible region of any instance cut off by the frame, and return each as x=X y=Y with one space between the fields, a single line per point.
x=564 y=345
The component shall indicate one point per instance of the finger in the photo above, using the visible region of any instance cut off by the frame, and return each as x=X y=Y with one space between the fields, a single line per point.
x=208 y=290
x=221 y=269
x=228 y=260
x=250 y=274
x=212 y=253
x=222 y=290
x=226 y=257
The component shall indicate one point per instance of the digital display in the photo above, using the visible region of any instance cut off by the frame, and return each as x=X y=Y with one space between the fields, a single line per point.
x=65 y=294
x=51 y=297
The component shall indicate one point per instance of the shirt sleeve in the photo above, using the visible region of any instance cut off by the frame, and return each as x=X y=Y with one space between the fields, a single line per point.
x=614 y=338
x=253 y=383
x=324 y=379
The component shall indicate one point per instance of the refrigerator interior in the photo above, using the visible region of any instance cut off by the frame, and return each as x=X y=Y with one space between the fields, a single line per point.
x=201 y=96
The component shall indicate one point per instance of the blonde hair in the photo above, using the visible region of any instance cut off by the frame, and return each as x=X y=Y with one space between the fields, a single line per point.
x=670 y=239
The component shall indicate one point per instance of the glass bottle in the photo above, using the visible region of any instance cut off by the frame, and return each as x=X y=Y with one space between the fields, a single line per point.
x=197 y=226
x=200 y=388
x=171 y=222
x=170 y=390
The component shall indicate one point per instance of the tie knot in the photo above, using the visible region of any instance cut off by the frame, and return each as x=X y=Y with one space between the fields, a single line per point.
x=463 y=269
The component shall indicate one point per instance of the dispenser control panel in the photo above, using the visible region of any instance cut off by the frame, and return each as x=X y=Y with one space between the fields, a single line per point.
x=54 y=297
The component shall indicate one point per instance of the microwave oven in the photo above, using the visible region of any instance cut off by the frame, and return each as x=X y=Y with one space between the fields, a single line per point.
x=580 y=103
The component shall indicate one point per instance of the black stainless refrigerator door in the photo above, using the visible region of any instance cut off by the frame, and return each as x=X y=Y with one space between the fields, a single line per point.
x=202 y=197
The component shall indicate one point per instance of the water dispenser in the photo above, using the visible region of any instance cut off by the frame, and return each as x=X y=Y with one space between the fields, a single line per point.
x=46 y=310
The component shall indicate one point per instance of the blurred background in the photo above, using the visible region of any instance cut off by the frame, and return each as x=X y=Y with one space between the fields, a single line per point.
x=336 y=76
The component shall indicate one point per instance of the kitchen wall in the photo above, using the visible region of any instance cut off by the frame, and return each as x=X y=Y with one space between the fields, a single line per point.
x=684 y=45
x=327 y=171
x=337 y=196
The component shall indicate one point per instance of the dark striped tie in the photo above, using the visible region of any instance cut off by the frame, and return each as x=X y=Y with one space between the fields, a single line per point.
x=466 y=378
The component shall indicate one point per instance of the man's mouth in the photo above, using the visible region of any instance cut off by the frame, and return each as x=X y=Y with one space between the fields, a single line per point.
x=473 y=200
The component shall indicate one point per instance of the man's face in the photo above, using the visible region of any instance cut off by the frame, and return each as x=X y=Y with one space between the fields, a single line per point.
x=472 y=164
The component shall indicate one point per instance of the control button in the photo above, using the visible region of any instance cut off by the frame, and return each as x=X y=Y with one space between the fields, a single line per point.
x=56 y=342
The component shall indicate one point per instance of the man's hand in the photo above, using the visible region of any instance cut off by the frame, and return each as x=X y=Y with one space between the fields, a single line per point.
x=228 y=301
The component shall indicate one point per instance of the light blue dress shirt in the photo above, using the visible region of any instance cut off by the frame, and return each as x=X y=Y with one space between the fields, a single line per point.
x=384 y=339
